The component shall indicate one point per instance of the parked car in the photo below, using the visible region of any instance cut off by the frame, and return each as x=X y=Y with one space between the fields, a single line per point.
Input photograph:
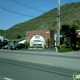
x=7 y=46
x=18 y=46
x=1 y=44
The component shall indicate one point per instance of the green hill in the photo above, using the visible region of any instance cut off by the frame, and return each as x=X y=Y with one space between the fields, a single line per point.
x=70 y=14
x=2 y=32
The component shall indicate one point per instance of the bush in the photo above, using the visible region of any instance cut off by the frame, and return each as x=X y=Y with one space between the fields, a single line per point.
x=45 y=46
x=31 y=47
x=62 y=48
x=26 y=44
x=35 y=46
x=39 y=47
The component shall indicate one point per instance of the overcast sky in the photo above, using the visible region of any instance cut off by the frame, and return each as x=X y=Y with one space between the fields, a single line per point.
x=13 y=12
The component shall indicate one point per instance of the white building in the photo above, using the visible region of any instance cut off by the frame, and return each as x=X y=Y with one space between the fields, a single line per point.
x=2 y=38
x=37 y=40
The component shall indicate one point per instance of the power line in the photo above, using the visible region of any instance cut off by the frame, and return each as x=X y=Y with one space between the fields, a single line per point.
x=16 y=12
x=28 y=6
x=10 y=19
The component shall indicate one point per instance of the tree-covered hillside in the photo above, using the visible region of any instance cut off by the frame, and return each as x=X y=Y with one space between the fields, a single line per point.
x=2 y=32
x=70 y=14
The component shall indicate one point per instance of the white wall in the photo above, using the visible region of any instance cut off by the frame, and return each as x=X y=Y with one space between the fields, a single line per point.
x=36 y=40
x=2 y=38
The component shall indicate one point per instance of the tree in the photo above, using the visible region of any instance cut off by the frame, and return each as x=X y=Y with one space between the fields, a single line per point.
x=64 y=30
x=18 y=36
x=69 y=35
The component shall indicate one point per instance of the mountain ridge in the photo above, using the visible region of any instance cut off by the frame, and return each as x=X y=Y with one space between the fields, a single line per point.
x=69 y=14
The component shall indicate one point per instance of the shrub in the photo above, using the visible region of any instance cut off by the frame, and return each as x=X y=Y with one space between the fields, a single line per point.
x=26 y=44
x=35 y=47
x=62 y=48
x=39 y=47
x=31 y=47
x=45 y=46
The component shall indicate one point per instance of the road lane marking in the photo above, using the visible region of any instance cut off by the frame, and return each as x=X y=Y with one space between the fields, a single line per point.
x=7 y=78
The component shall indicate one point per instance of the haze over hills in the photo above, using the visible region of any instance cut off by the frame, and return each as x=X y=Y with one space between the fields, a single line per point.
x=70 y=14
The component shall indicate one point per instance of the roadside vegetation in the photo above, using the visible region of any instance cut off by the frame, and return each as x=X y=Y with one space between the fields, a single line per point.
x=27 y=44
x=69 y=41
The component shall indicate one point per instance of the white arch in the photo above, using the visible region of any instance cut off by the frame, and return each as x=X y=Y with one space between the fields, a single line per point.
x=37 y=40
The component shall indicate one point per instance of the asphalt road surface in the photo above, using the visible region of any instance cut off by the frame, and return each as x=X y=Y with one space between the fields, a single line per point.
x=37 y=65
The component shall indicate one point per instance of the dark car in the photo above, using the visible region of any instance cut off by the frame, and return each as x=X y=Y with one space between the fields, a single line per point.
x=19 y=46
x=1 y=44
x=7 y=46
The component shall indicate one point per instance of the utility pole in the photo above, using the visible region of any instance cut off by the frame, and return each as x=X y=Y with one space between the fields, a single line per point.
x=58 y=26
x=58 y=23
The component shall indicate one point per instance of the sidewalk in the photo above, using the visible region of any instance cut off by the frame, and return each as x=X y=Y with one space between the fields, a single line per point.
x=48 y=52
x=52 y=52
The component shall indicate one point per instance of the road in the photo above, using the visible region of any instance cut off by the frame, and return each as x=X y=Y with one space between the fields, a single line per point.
x=37 y=65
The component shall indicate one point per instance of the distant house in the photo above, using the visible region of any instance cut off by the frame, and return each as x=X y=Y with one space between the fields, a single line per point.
x=2 y=38
x=6 y=39
x=22 y=41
